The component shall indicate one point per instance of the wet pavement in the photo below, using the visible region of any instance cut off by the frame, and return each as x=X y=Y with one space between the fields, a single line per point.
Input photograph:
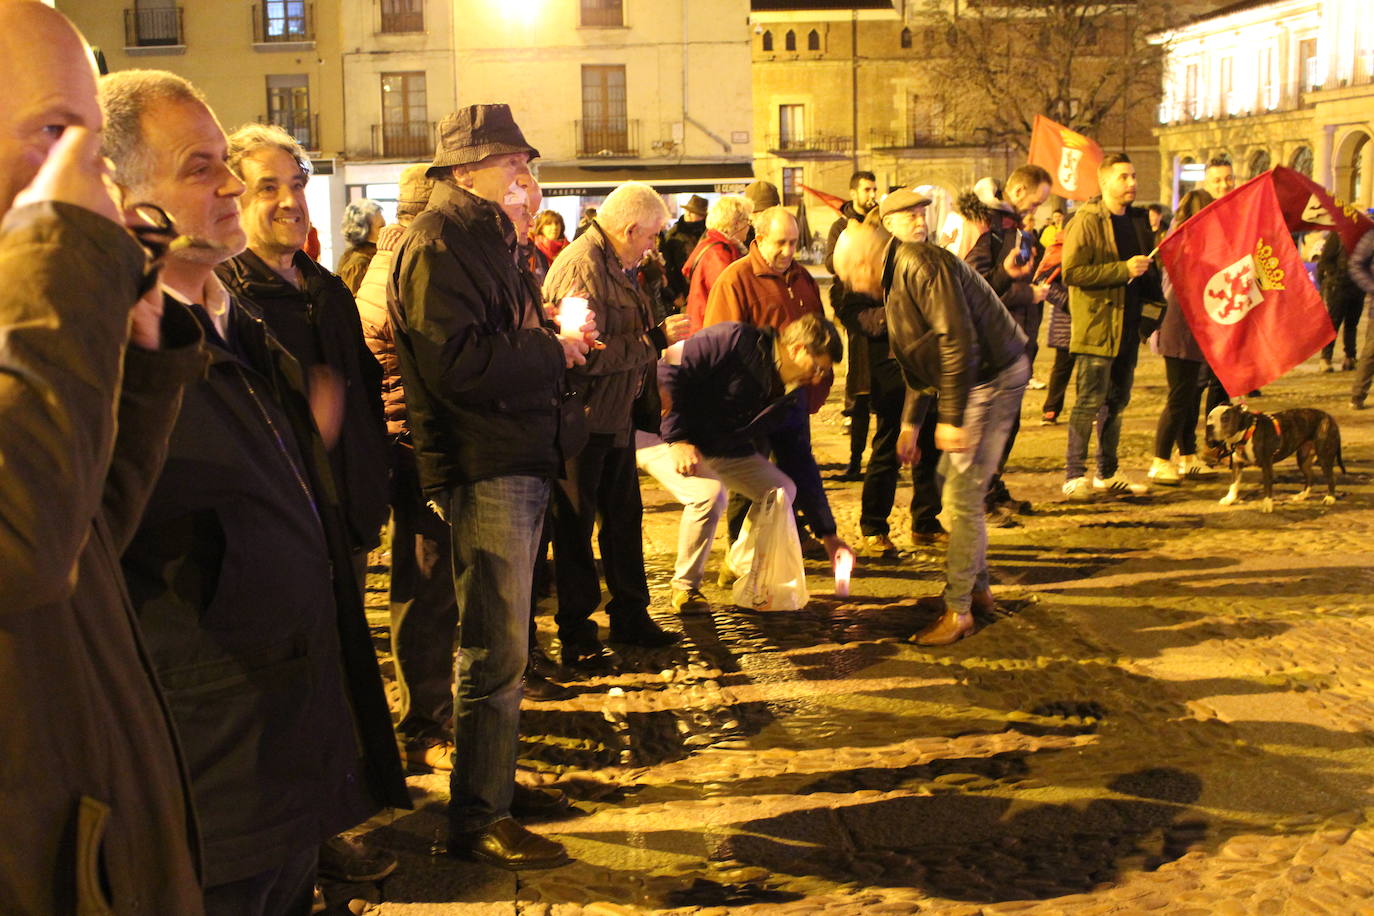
x=1170 y=712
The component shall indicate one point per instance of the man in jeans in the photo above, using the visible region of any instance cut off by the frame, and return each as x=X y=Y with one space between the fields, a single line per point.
x=1114 y=293
x=950 y=333
x=484 y=382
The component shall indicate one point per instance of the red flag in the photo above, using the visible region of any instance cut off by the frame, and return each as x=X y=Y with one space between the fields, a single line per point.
x=1243 y=288
x=1070 y=158
x=1306 y=205
x=830 y=200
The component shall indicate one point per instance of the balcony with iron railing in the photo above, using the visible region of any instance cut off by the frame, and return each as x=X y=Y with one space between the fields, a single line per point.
x=403 y=140
x=605 y=138
x=925 y=138
x=809 y=146
x=283 y=24
x=304 y=127
x=157 y=27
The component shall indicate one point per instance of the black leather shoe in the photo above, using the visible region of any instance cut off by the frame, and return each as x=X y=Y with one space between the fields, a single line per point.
x=540 y=663
x=506 y=844
x=589 y=658
x=344 y=859
x=540 y=804
x=541 y=688
x=646 y=634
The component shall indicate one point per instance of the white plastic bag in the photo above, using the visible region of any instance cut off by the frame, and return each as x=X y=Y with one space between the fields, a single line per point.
x=768 y=558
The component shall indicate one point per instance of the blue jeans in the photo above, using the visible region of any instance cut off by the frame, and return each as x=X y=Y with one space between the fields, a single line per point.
x=992 y=408
x=1102 y=389
x=496 y=528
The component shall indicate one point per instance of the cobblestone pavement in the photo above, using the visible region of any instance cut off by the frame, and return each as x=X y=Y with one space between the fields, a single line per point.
x=1170 y=713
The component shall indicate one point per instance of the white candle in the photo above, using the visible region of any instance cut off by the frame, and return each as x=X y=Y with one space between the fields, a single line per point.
x=673 y=355
x=572 y=314
x=844 y=565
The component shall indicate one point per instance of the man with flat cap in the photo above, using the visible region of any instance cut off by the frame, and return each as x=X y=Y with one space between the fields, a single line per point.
x=903 y=214
x=951 y=334
x=484 y=378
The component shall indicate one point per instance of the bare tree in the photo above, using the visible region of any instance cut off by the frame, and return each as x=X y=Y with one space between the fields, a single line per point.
x=1088 y=65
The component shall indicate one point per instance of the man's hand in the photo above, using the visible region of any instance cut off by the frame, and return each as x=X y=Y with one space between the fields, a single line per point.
x=949 y=438
x=74 y=173
x=146 y=328
x=1014 y=270
x=834 y=545
x=1039 y=291
x=686 y=458
x=1137 y=265
x=326 y=394
x=675 y=328
x=908 y=452
x=574 y=351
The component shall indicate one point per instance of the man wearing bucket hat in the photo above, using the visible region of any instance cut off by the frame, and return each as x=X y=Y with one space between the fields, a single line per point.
x=679 y=244
x=484 y=381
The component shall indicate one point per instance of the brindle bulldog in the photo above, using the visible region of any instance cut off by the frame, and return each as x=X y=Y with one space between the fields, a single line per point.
x=1263 y=439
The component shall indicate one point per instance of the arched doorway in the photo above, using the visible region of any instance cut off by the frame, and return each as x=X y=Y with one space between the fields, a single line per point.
x=1259 y=163
x=1302 y=161
x=1350 y=173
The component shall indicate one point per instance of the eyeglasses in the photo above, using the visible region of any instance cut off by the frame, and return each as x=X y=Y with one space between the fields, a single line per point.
x=159 y=237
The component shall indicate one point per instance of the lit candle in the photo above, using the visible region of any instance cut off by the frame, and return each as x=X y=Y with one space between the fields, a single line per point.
x=572 y=314
x=844 y=565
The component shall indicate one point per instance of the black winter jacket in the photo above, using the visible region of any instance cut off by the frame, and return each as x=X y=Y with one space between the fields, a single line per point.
x=263 y=652
x=319 y=325
x=483 y=372
x=947 y=328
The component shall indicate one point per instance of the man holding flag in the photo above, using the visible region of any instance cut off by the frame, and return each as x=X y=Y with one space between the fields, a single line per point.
x=1113 y=288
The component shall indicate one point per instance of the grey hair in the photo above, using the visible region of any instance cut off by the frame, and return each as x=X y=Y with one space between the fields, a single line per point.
x=765 y=221
x=248 y=139
x=728 y=212
x=125 y=97
x=633 y=203
x=819 y=336
x=357 y=220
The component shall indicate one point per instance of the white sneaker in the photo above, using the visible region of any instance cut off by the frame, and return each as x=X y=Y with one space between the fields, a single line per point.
x=1163 y=473
x=1118 y=485
x=1035 y=384
x=1078 y=490
x=1191 y=466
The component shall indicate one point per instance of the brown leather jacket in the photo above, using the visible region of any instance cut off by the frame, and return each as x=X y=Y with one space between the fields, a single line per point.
x=91 y=782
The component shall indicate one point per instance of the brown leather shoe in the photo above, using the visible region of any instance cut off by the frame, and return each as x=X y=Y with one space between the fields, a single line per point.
x=506 y=844
x=950 y=628
x=430 y=755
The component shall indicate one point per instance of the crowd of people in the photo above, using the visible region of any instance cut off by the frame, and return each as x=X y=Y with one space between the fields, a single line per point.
x=205 y=431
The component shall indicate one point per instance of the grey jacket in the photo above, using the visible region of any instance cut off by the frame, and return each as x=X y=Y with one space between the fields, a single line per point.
x=615 y=376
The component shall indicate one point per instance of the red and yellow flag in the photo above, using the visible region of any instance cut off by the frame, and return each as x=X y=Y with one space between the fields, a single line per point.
x=1070 y=158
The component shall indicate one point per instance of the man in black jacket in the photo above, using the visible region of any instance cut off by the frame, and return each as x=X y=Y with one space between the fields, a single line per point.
x=951 y=334
x=677 y=245
x=238 y=568
x=312 y=315
x=484 y=382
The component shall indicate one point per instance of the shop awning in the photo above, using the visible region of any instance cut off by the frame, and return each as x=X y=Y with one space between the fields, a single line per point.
x=564 y=179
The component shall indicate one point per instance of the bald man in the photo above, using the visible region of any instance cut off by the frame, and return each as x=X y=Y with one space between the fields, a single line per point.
x=92 y=798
